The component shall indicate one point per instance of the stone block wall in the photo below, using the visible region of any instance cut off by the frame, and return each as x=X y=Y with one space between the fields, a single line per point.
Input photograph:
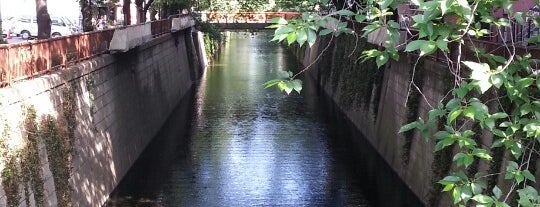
x=378 y=102
x=92 y=120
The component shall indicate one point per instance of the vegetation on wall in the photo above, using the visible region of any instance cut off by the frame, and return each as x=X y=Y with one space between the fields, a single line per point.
x=31 y=163
x=450 y=124
x=416 y=75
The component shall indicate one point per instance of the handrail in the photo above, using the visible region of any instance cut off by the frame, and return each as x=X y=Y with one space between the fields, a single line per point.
x=26 y=60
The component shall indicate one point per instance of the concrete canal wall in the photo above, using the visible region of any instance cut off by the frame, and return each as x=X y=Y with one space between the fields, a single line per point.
x=378 y=102
x=69 y=137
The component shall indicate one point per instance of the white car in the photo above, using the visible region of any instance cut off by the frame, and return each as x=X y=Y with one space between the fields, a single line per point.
x=26 y=27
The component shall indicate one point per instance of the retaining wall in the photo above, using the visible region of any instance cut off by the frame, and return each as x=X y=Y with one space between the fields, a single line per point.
x=93 y=120
x=378 y=102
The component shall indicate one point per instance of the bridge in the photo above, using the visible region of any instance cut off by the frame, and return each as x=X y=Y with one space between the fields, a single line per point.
x=244 y=20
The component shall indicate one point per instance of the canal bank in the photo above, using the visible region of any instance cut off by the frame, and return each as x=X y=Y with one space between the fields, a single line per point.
x=69 y=136
x=242 y=145
x=378 y=102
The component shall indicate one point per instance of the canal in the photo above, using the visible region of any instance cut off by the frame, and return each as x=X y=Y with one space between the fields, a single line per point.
x=230 y=142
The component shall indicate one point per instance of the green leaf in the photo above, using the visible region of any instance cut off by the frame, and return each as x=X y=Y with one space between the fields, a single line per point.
x=283 y=74
x=484 y=199
x=382 y=59
x=409 y=126
x=456 y=194
x=370 y=28
x=461 y=92
x=284 y=30
x=271 y=83
x=325 y=32
x=518 y=16
x=482 y=153
x=453 y=115
x=453 y=104
x=291 y=38
x=499 y=115
x=301 y=37
x=445 y=5
x=497 y=80
x=428 y=48
x=360 y=18
x=525 y=82
x=385 y=3
x=497 y=192
x=481 y=73
x=311 y=37
x=469 y=112
x=525 y=109
x=527 y=174
x=345 y=12
x=414 y=45
x=442 y=44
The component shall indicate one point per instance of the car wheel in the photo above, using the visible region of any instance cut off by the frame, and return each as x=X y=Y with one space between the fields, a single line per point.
x=25 y=34
x=56 y=34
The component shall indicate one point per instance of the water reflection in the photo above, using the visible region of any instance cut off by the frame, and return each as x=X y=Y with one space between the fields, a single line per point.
x=234 y=144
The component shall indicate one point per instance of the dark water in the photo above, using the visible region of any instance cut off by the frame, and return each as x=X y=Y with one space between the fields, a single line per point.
x=232 y=143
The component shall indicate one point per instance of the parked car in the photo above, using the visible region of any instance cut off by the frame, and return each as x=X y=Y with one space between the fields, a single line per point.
x=26 y=27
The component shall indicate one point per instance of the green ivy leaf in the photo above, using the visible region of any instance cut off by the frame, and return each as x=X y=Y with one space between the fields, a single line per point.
x=291 y=38
x=453 y=115
x=311 y=37
x=428 y=48
x=497 y=192
x=325 y=32
x=382 y=59
x=480 y=73
x=482 y=153
x=301 y=37
x=483 y=199
x=360 y=18
x=527 y=174
x=414 y=45
x=409 y=126
x=345 y=12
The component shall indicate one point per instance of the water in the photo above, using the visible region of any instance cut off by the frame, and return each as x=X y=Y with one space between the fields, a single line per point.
x=233 y=143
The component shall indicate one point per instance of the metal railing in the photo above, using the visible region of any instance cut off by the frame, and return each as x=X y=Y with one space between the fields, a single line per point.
x=29 y=59
x=244 y=17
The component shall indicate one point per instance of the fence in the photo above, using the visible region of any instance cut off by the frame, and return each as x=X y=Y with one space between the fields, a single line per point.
x=245 y=17
x=26 y=60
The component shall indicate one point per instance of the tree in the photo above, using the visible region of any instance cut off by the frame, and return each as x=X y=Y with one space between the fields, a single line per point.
x=142 y=9
x=2 y=41
x=43 y=20
x=127 y=12
x=495 y=92
x=86 y=11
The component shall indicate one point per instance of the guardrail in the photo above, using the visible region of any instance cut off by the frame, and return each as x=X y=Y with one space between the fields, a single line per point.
x=29 y=59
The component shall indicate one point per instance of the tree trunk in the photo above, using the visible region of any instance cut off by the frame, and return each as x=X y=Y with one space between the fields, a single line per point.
x=153 y=13
x=145 y=10
x=2 y=41
x=43 y=20
x=139 y=7
x=86 y=10
x=127 y=12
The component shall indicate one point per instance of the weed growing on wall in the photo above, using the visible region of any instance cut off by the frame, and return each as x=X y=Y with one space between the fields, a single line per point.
x=30 y=162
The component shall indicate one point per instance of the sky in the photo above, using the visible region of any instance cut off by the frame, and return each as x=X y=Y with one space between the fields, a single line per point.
x=68 y=8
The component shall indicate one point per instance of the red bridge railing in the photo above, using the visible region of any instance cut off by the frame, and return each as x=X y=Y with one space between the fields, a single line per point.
x=245 y=17
x=29 y=59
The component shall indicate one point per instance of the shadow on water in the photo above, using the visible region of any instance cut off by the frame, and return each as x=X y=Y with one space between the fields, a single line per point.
x=232 y=143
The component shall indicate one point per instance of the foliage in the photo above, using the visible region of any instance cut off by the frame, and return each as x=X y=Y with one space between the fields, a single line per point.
x=446 y=26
